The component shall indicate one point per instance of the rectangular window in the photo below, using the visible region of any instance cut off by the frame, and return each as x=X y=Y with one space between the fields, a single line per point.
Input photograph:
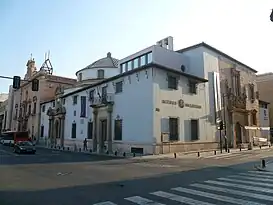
x=100 y=74
x=150 y=58
x=34 y=108
x=193 y=87
x=29 y=109
x=123 y=67
x=118 y=130
x=194 y=130
x=42 y=131
x=74 y=131
x=91 y=95
x=142 y=60
x=119 y=87
x=172 y=82
x=129 y=64
x=83 y=106
x=90 y=130
x=173 y=128
x=251 y=92
x=75 y=100
x=136 y=63
x=104 y=93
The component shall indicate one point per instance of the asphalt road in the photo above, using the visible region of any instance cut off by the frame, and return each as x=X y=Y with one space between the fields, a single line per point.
x=64 y=178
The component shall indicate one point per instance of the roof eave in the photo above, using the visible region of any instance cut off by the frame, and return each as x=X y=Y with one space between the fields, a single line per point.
x=217 y=51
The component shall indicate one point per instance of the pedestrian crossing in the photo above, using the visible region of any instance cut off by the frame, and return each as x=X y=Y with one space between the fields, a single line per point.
x=247 y=188
x=240 y=156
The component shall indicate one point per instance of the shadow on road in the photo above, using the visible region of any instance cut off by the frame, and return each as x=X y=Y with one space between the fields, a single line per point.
x=47 y=156
x=89 y=194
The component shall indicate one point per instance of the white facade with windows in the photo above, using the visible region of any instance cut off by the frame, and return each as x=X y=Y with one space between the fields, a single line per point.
x=151 y=107
x=264 y=119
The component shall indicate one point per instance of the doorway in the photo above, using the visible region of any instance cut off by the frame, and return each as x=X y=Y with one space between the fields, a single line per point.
x=103 y=132
x=238 y=132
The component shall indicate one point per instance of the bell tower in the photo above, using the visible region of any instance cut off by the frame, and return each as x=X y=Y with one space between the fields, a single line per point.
x=31 y=68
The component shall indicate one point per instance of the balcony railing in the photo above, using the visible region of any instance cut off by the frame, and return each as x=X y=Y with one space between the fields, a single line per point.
x=237 y=102
x=103 y=100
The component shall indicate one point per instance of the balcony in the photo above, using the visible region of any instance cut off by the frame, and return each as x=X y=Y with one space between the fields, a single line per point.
x=237 y=102
x=102 y=101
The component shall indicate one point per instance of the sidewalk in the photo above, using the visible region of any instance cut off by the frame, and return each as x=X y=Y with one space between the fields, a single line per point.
x=191 y=154
x=202 y=153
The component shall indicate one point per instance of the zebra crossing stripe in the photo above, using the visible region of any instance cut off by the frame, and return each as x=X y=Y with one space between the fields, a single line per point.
x=256 y=175
x=216 y=196
x=141 y=201
x=234 y=192
x=182 y=199
x=261 y=172
x=247 y=182
x=240 y=186
x=105 y=203
x=251 y=178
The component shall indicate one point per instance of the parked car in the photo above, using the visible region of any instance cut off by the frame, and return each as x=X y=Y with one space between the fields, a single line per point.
x=24 y=147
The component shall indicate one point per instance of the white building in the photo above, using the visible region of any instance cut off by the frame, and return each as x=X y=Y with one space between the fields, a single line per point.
x=264 y=120
x=153 y=106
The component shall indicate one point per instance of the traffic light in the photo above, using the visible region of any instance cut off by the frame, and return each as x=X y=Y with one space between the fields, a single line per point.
x=221 y=125
x=35 y=85
x=16 y=82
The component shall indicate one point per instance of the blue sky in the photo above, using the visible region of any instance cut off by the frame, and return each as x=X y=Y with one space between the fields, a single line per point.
x=80 y=32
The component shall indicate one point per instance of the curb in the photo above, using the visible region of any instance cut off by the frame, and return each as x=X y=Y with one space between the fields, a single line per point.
x=124 y=155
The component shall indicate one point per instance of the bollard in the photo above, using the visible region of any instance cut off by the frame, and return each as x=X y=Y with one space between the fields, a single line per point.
x=107 y=152
x=80 y=149
x=59 y=147
x=63 y=148
x=174 y=154
x=134 y=154
x=198 y=154
x=55 y=147
x=228 y=150
x=260 y=147
x=68 y=148
x=90 y=150
x=116 y=153
x=263 y=163
x=214 y=152
x=124 y=154
x=240 y=149
x=269 y=145
x=51 y=146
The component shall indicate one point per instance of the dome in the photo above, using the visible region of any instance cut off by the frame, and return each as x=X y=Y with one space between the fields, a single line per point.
x=107 y=62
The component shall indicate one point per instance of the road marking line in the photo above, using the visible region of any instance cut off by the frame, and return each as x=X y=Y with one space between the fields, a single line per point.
x=261 y=173
x=141 y=201
x=105 y=203
x=234 y=192
x=184 y=200
x=252 y=188
x=247 y=182
x=216 y=196
x=251 y=178
x=257 y=175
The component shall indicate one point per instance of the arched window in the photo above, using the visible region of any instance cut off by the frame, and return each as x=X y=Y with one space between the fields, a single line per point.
x=100 y=73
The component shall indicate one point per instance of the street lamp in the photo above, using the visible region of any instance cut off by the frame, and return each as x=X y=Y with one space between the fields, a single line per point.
x=271 y=16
